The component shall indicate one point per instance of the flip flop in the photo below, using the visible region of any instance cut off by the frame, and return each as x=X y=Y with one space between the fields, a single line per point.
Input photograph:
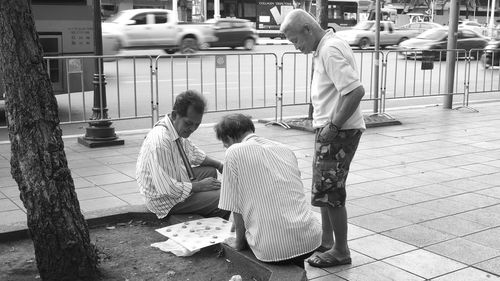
x=329 y=261
x=322 y=249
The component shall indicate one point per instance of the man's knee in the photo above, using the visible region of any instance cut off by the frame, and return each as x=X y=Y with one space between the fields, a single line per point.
x=204 y=172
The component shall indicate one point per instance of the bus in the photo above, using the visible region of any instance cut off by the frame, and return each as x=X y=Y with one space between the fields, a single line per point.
x=342 y=14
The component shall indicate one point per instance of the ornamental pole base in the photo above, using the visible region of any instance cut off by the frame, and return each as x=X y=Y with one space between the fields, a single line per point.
x=100 y=137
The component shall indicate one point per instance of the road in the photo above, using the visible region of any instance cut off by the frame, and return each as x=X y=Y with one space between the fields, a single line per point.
x=250 y=81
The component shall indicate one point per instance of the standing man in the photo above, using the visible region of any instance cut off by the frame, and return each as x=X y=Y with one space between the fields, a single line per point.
x=161 y=173
x=336 y=92
x=262 y=187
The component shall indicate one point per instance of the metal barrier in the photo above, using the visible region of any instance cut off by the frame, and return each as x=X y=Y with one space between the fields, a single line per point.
x=229 y=82
x=422 y=73
x=296 y=77
x=136 y=88
x=483 y=75
x=128 y=87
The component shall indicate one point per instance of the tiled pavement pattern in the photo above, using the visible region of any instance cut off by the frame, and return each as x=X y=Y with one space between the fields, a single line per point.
x=423 y=197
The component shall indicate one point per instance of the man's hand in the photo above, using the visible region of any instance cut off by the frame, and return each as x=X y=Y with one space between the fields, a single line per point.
x=237 y=244
x=206 y=184
x=328 y=133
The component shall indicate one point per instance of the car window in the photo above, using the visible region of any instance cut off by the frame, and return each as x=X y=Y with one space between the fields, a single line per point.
x=140 y=19
x=223 y=24
x=160 y=18
x=467 y=34
x=239 y=24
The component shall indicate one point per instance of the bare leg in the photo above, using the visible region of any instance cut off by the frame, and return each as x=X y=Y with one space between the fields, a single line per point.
x=338 y=219
x=327 y=236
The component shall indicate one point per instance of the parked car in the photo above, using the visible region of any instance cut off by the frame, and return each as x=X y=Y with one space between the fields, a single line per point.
x=436 y=39
x=420 y=26
x=477 y=27
x=233 y=32
x=491 y=54
x=156 y=29
x=363 y=34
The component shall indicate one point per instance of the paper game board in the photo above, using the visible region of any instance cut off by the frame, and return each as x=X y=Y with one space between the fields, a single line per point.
x=197 y=234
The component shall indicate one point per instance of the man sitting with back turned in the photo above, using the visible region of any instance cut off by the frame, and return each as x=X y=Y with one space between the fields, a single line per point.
x=261 y=185
x=161 y=173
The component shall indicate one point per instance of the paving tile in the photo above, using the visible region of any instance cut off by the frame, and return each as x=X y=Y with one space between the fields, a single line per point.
x=414 y=213
x=487 y=238
x=464 y=251
x=7 y=181
x=119 y=159
x=476 y=200
x=2 y=196
x=125 y=168
x=331 y=277
x=467 y=184
x=493 y=192
x=424 y=263
x=7 y=205
x=132 y=198
x=101 y=204
x=406 y=181
x=377 y=271
x=10 y=192
x=454 y=225
x=377 y=203
x=99 y=169
x=467 y=274
x=91 y=193
x=409 y=196
x=379 y=247
x=445 y=206
x=482 y=168
x=418 y=235
x=378 y=222
x=356 y=232
x=12 y=218
x=122 y=188
x=314 y=272
x=109 y=179
x=440 y=190
x=81 y=183
x=357 y=260
x=492 y=266
x=484 y=216
x=356 y=211
x=376 y=174
x=487 y=179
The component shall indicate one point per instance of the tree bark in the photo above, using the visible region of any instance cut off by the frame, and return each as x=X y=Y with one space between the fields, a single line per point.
x=38 y=163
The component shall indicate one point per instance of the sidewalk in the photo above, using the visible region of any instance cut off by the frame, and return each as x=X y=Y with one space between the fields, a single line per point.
x=423 y=197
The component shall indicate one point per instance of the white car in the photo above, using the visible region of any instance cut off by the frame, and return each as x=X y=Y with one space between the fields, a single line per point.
x=155 y=29
x=473 y=25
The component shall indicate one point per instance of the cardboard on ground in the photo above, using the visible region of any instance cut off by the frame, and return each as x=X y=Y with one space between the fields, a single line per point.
x=197 y=234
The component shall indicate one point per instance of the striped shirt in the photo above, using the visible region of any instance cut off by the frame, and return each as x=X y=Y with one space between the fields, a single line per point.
x=160 y=172
x=261 y=181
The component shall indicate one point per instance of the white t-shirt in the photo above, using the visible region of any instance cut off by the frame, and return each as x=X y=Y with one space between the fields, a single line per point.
x=261 y=181
x=335 y=74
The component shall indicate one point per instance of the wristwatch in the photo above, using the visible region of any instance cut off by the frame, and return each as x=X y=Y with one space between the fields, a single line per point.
x=333 y=129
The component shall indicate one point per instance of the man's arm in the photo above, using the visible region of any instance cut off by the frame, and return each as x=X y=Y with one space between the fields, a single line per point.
x=209 y=161
x=348 y=105
x=240 y=243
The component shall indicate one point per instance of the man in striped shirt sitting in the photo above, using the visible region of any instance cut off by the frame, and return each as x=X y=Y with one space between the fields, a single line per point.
x=261 y=185
x=168 y=184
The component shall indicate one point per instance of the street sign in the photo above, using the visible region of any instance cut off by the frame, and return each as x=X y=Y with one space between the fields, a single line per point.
x=220 y=61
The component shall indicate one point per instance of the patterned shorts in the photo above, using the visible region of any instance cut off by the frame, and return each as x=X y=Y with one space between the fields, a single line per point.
x=330 y=168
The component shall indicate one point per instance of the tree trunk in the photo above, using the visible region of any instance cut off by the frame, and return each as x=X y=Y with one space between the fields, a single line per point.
x=38 y=163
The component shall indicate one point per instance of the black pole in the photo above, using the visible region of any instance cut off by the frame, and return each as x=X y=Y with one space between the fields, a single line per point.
x=99 y=133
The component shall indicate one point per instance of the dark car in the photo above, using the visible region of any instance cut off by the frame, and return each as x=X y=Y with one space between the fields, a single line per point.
x=233 y=32
x=491 y=54
x=436 y=39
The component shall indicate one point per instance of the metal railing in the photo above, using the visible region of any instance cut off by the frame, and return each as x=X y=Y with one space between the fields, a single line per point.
x=139 y=87
x=229 y=82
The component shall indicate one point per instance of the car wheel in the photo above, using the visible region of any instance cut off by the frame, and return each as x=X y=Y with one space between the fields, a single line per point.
x=249 y=43
x=364 y=43
x=484 y=62
x=170 y=51
x=189 y=45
